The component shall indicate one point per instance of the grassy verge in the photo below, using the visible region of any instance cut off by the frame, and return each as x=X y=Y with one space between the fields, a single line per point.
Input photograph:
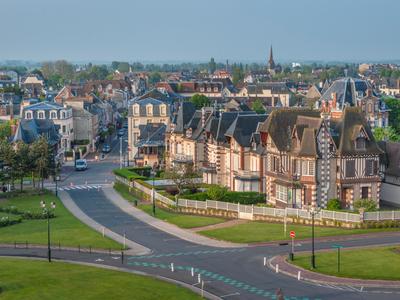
x=37 y=280
x=265 y=232
x=123 y=190
x=181 y=220
x=371 y=263
x=65 y=228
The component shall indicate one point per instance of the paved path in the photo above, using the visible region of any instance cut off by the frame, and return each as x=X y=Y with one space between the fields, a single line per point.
x=134 y=248
x=229 y=223
x=292 y=270
x=186 y=235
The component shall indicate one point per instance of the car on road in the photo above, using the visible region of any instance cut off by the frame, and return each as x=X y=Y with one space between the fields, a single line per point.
x=125 y=126
x=106 y=148
x=81 y=165
x=121 y=132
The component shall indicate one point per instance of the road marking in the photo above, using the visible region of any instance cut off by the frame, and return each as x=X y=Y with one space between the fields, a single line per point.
x=99 y=260
x=115 y=257
x=188 y=253
x=229 y=295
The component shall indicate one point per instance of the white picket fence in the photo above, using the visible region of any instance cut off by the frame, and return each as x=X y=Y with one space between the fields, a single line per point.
x=250 y=211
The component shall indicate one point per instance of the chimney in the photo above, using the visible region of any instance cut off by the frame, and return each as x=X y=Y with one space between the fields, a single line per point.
x=369 y=92
x=334 y=99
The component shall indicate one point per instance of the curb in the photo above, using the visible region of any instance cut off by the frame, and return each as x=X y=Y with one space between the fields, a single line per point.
x=195 y=289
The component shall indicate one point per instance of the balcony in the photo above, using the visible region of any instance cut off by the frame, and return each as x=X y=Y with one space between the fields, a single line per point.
x=208 y=167
x=182 y=158
x=247 y=174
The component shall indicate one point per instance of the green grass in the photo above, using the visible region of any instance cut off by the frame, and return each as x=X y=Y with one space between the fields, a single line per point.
x=371 y=263
x=38 y=280
x=65 y=228
x=181 y=220
x=252 y=232
x=123 y=190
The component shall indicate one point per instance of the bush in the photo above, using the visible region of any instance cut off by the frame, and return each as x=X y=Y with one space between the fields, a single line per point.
x=366 y=204
x=83 y=149
x=68 y=153
x=217 y=193
x=27 y=215
x=232 y=197
x=128 y=174
x=334 y=204
x=81 y=142
x=5 y=221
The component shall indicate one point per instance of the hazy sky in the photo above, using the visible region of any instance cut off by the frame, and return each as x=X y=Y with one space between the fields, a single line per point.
x=193 y=30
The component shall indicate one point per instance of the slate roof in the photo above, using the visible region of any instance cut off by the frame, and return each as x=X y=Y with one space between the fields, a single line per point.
x=45 y=105
x=185 y=114
x=275 y=87
x=243 y=127
x=142 y=107
x=156 y=94
x=391 y=157
x=347 y=90
x=152 y=134
x=30 y=130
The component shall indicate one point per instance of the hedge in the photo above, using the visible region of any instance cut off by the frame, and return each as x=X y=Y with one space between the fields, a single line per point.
x=5 y=221
x=128 y=174
x=232 y=197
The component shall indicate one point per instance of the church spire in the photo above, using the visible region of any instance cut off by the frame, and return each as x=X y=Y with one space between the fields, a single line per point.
x=271 y=63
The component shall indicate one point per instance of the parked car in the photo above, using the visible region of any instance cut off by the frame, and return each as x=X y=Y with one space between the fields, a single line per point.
x=121 y=132
x=125 y=126
x=80 y=165
x=106 y=148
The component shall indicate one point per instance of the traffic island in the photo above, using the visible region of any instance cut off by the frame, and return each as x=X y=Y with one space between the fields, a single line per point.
x=362 y=268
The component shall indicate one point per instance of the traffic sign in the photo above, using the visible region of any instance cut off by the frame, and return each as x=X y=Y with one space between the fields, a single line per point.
x=292 y=234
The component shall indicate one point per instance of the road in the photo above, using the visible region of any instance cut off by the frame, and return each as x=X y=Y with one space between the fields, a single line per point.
x=234 y=273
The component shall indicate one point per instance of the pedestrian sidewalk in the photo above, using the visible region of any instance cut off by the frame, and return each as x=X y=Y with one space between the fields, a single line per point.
x=187 y=235
x=229 y=223
x=291 y=270
x=134 y=248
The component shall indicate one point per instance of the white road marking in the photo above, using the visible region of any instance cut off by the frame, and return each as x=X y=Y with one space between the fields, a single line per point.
x=229 y=295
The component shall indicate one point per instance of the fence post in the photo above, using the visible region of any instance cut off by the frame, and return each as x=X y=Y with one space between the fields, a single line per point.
x=206 y=204
x=393 y=215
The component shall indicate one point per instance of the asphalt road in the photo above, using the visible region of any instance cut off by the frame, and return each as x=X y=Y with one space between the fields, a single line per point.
x=228 y=273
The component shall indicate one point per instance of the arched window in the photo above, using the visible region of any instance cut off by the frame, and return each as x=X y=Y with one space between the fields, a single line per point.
x=63 y=115
x=28 y=115
x=40 y=115
x=53 y=115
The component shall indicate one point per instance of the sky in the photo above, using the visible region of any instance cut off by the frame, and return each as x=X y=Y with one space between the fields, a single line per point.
x=195 y=30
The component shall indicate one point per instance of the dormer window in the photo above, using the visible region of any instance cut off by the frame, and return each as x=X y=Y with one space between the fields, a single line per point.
x=41 y=115
x=28 y=115
x=163 y=110
x=216 y=89
x=360 y=143
x=53 y=115
x=63 y=115
x=136 y=110
x=149 y=110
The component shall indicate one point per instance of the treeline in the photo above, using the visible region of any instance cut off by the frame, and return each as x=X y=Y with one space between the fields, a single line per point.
x=35 y=161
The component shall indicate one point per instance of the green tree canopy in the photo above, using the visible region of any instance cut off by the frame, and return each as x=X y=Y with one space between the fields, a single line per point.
x=258 y=107
x=386 y=134
x=154 y=77
x=200 y=101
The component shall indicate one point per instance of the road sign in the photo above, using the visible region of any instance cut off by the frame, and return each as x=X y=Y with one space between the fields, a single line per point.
x=292 y=234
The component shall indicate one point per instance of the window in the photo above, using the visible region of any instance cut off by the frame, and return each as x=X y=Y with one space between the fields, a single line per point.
x=360 y=143
x=163 y=110
x=149 y=121
x=136 y=110
x=64 y=129
x=135 y=123
x=162 y=121
x=281 y=193
x=149 y=110
x=364 y=192
x=40 y=115
x=28 y=115
x=63 y=115
x=370 y=107
x=371 y=167
x=308 y=168
x=350 y=168
x=53 y=115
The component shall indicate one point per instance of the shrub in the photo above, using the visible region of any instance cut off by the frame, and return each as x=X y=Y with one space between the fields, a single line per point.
x=128 y=174
x=217 y=193
x=366 y=204
x=334 y=204
x=27 y=215
x=81 y=142
x=68 y=153
x=5 y=221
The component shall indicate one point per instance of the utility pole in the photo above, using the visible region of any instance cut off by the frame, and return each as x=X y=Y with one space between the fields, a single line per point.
x=120 y=152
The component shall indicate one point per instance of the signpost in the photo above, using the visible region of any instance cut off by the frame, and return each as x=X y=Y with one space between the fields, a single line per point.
x=338 y=247
x=292 y=235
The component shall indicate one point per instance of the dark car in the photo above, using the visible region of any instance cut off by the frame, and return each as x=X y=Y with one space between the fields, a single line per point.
x=106 y=148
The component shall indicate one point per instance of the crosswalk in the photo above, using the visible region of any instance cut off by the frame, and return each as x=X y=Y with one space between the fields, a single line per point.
x=341 y=287
x=81 y=187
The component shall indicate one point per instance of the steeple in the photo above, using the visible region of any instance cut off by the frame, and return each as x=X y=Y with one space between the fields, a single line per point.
x=271 y=63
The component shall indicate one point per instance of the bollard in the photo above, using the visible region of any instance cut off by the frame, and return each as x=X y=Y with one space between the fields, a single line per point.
x=299 y=275
x=124 y=240
x=277 y=268
x=198 y=278
x=192 y=271
x=265 y=261
x=122 y=257
x=103 y=231
x=172 y=267
x=90 y=249
x=202 y=289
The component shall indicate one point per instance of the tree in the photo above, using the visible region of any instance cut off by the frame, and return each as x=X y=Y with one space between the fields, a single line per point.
x=217 y=192
x=386 y=134
x=394 y=115
x=200 y=100
x=212 y=66
x=41 y=156
x=237 y=74
x=182 y=175
x=23 y=162
x=154 y=77
x=7 y=158
x=258 y=107
x=5 y=130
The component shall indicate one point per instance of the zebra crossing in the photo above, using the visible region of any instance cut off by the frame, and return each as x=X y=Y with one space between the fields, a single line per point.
x=341 y=287
x=81 y=187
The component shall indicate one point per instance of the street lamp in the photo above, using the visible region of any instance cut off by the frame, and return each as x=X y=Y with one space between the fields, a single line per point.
x=56 y=179
x=313 y=212
x=153 y=174
x=46 y=210
x=120 y=152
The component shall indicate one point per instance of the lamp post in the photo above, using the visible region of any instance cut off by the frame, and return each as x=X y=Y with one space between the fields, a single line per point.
x=153 y=174
x=313 y=212
x=56 y=179
x=46 y=210
x=120 y=152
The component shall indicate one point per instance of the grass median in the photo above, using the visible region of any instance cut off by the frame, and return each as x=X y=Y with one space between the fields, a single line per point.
x=372 y=263
x=65 y=228
x=38 y=280
x=253 y=232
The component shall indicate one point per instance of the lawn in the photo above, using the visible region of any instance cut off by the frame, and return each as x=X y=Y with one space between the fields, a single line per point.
x=253 y=232
x=181 y=220
x=371 y=263
x=123 y=190
x=65 y=228
x=38 y=280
